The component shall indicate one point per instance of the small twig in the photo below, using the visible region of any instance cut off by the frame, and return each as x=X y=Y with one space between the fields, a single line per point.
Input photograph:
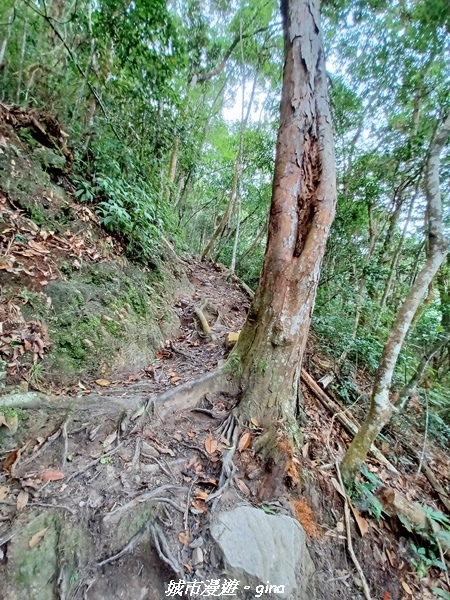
x=65 y=445
x=61 y=506
x=364 y=583
x=196 y=448
x=94 y=462
x=51 y=438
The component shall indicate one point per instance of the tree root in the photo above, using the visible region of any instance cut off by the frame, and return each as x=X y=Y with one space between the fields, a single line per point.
x=128 y=548
x=188 y=395
x=162 y=548
x=229 y=430
x=159 y=540
x=151 y=496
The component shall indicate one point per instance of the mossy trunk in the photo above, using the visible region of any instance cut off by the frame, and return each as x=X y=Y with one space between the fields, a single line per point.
x=270 y=348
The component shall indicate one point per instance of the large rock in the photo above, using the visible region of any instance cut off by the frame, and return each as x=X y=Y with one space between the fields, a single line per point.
x=264 y=550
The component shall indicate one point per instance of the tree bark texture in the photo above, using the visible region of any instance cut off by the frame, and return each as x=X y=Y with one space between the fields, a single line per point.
x=271 y=346
x=381 y=408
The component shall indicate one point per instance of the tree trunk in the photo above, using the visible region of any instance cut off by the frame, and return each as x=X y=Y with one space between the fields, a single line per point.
x=415 y=380
x=381 y=408
x=270 y=349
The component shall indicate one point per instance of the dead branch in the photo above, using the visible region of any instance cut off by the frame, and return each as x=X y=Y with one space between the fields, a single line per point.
x=162 y=548
x=350 y=426
x=128 y=548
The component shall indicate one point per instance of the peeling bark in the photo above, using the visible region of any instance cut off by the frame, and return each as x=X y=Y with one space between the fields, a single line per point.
x=270 y=349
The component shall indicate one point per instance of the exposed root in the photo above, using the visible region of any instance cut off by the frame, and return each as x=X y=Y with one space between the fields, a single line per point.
x=227 y=428
x=151 y=496
x=198 y=312
x=162 y=548
x=128 y=548
x=230 y=431
x=189 y=395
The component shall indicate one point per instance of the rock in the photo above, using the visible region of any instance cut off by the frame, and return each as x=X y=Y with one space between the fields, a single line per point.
x=197 y=557
x=262 y=550
x=231 y=339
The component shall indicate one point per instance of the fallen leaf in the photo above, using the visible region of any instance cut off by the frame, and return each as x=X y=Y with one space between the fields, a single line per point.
x=199 y=505
x=22 y=500
x=386 y=596
x=242 y=486
x=184 y=538
x=201 y=496
x=103 y=382
x=138 y=413
x=407 y=589
x=191 y=434
x=244 y=442
x=337 y=486
x=4 y=491
x=363 y=525
x=110 y=439
x=50 y=475
x=37 y=537
x=11 y=461
x=178 y=437
x=175 y=379
x=305 y=449
x=187 y=567
x=38 y=247
x=210 y=444
x=391 y=560
x=254 y=422
x=3 y=421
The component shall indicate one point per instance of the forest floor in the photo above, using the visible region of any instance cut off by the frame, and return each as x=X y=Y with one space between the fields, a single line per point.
x=110 y=481
x=92 y=458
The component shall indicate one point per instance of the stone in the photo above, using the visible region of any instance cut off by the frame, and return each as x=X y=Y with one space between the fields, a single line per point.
x=231 y=339
x=197 y=557
x=264 y=550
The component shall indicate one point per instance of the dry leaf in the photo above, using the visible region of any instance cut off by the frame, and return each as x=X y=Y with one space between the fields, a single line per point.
x=407 y=589
x=305 y=449
x=363 y=525
x=4 y=491
x=110 y=439
x=386 y=596
x=103 y=382
x=244 y=442
x=11 y=461
x=138 y=413
x=210 y=444
x=38 y=247
x=255 y=422
x=337 y=486
x=37 y=537
x=391 y=560
x=242 y=486
x=184 y=538
x=201 y=496
x=178 y=437
x=3 y=420
x=22 y=500
x=175 y=379
x=50 y=475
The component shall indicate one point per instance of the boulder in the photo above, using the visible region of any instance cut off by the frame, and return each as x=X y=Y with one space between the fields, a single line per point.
x=266 y=553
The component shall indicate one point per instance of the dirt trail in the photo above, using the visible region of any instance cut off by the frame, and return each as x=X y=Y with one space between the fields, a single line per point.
x=110 y=493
